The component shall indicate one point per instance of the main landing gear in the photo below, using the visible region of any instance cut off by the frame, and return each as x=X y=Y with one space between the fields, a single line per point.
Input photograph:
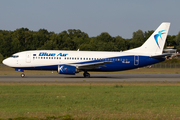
x=86 y=74
x=22 y=75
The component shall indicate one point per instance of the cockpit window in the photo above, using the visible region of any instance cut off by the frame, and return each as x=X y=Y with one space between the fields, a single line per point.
x=15 y=56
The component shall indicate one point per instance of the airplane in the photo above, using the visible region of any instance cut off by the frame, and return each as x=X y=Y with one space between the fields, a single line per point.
x=72 y=62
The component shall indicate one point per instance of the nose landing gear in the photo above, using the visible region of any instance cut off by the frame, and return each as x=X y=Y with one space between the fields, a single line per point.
x=22 y=75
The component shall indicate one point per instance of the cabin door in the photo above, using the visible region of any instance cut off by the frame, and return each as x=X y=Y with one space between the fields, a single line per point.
x=136 y=60
x=28 y=57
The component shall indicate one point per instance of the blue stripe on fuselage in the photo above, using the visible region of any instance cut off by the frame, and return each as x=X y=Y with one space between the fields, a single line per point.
x=124 y=63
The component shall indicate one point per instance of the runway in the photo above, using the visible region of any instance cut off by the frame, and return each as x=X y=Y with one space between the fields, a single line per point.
x=101 y=78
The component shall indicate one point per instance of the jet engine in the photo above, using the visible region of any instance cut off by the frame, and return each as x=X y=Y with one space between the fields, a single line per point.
x=66 y=69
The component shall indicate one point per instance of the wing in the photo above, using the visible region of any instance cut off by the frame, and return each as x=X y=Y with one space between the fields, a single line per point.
x=94 y=65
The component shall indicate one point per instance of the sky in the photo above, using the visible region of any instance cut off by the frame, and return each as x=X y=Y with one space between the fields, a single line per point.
x=117 y=17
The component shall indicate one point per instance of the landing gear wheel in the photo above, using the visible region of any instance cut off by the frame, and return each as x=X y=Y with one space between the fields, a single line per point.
x=86 y=75
x=22 y=75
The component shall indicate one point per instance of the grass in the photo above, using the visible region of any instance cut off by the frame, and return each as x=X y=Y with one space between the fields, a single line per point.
x=90 y=101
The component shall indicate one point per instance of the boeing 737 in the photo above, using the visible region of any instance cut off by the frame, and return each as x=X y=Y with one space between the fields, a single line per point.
x=72 y=62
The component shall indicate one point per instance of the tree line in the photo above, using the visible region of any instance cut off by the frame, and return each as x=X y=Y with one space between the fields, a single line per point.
x=24 y=39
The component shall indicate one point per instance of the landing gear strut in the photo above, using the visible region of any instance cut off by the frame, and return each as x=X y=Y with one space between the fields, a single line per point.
x=22 y=75
x=86 y=74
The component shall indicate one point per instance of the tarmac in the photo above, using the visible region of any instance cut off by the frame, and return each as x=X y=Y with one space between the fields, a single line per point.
x=95 y=78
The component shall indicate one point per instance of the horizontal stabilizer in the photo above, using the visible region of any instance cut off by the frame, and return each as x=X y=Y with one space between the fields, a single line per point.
x=161 y=56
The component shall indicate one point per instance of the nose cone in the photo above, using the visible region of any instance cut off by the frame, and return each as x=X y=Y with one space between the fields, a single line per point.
x=7 y=62
x=4 y=62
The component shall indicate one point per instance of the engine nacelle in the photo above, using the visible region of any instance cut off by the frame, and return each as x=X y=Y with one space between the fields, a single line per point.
x=66 y=69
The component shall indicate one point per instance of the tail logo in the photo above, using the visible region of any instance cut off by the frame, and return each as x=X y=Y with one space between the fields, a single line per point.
x=158 y=35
